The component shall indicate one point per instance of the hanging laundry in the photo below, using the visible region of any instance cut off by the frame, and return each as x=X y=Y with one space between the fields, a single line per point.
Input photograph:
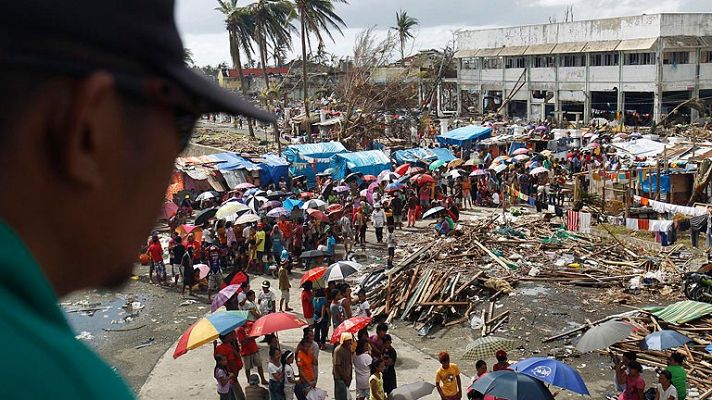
x=584 y=222
x=643 y=224
x=551 y=208
x=631 y=223
x=572 y=220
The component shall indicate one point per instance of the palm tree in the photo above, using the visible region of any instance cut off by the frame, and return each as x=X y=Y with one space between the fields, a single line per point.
x=404 y=24
x=240 y=27
x=272 y=24
x=315 y=17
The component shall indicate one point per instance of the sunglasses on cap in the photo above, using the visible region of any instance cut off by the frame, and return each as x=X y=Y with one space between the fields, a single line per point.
x=137 y=86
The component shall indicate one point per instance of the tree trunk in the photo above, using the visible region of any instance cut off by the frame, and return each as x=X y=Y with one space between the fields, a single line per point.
x=238 y=65
x=305 y=83
x=263 y=58
x=402 y=52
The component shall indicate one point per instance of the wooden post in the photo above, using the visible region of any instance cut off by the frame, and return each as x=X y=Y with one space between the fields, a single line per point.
x=626 y=198
x=657 y=162
x=603 y=196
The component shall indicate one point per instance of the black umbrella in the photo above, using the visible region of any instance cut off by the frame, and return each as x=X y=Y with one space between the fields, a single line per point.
x=352 y=175
x=203 y=216
x=326 y=191
x=276 y=195
x=313 y=254
x=181 y=195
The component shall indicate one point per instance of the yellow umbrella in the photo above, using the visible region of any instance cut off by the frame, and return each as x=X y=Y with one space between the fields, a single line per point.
x=230 y=208
x=455 y=163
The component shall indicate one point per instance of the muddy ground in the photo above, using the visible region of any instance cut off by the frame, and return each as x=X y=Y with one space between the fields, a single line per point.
x=538 y=311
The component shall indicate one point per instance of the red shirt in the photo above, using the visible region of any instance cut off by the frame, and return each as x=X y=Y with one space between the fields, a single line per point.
x=498 y=367
x=156 y=251
x=196 y=249
x=248 y=345
x=307 y=304
x=234 y=362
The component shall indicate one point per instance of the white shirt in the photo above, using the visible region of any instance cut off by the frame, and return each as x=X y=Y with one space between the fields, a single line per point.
x=288 y=374
x=495 y=198
x=362 y=309
x=362 y=370
x=266 y=301
x=666 y=394
x=273 y=370
x=379 y=218
x=391 y=239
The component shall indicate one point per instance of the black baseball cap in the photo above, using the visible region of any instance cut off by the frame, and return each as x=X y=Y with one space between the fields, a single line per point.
x=143 y=31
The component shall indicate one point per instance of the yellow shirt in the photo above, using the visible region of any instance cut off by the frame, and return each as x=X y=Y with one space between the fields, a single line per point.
x=446 y=379
x=260 y=238
x=380 y=393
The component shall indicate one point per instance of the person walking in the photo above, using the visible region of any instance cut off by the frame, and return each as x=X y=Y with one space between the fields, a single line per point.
x=347 y=232
x=321 y=318
x=447 y=378
x=342 y=366
x=378 y=217
x=284 y=287
x=362 y=369
x=230 y=350
x=412 y=209
x=307 y=298
x=360 y=226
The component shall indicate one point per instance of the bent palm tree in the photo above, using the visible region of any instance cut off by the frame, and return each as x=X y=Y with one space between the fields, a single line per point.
x=315 y=17
x=240 y=26
x=404 y=24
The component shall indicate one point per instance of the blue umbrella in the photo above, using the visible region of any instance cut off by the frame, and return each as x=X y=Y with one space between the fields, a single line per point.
x=403 y=179
x=394 y=186
x=709 y=349
x=554 y=372
x=290 y=204
x=512 y=385
x=662 y=340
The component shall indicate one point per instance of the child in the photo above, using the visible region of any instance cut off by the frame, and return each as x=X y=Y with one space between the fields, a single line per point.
x=391 y=243
x=288 y=374
x=284 y=289
x=363 y=309
x=223 y=377
x=276 y=378
x=375 y=382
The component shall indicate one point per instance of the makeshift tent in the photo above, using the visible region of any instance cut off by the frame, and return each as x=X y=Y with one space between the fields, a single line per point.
x=234 y=168
x=272 y=168
x=370 y=162
x=423 y=155
x=311 y=158
x=465 y=136
x=650 y=183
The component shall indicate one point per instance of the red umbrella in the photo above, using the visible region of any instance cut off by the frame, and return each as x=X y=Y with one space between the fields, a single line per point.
x=416 y=170
x=237 y=279
x=351 y=325
x=313 y=275
x=306 y=195
x=369 y=178
x=317 y=214
x=335 y=208
x=402 y=169
x=245 y=185
x=425 y=178
x=414 y=178
x=275 y=322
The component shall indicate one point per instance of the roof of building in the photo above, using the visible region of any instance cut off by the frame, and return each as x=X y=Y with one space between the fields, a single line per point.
x=232 y=73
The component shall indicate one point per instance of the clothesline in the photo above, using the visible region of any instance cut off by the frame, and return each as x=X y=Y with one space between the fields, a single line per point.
x=661 y=207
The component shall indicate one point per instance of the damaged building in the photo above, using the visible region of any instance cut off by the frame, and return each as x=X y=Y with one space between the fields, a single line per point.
x=639 y=68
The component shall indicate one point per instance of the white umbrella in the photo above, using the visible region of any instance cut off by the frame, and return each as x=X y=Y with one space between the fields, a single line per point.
x=603 y=335
x=340 y=270
x=230 y=208
x=205 y=196
x=313 y=203
x=388 y=176
x=479 y=172
x=539 y=170
x=247 y=219
x=456 y=173
x=255 y=202
x=412 y=391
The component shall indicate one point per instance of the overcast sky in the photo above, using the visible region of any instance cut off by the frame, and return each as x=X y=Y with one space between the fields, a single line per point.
x=204 y=33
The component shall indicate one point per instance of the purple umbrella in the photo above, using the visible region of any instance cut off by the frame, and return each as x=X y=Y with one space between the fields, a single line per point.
x=341 y=189
x=223 y=296
x=270 y=205
x=277 y=212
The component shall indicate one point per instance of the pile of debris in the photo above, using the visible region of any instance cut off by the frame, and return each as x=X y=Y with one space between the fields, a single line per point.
x=443 y=280
x=224 y=138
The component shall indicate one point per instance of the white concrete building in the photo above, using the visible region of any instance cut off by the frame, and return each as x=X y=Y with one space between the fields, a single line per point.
x=642 y=66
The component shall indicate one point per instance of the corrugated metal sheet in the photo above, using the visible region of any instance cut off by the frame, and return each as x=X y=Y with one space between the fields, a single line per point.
x=706 y=40
x=513 y=51
x=234 y=177
x=682 y=311
x=681 y=42
x=489 y=52
x=636 y=44
x=573 y=47
x=465 y=53
x=601 y=45
x=534 y=49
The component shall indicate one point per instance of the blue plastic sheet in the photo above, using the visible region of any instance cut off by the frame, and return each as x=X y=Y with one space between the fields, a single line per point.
x=465 y=135
x=370 y=162
x=272 y=169
x=646 y=185
x=311 y=158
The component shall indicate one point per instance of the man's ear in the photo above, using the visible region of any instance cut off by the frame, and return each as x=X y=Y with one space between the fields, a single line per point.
x=87 y=128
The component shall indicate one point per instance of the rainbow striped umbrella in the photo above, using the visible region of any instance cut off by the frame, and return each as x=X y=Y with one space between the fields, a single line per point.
x=208 y=329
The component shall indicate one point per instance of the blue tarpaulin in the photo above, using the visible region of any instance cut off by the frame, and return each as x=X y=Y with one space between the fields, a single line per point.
x=231 y=162
x=465 y=135
x=419 y=154
x=370 y=162
x=645 y=184
x=311 y=158
x=273 y=168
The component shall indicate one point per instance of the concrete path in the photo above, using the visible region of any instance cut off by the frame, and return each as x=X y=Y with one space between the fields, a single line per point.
x=191 y=376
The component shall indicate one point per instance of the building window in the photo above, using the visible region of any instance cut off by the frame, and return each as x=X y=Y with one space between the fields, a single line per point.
x=706 y=57
x=676 y=57
x=639 y=59
x=544 y=61
x=604 y=59
x=514 y=62
x=491 y=63
x=572 y=60
x=469 y=63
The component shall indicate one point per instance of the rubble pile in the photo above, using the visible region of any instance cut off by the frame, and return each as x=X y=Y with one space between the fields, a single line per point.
x=229 y=141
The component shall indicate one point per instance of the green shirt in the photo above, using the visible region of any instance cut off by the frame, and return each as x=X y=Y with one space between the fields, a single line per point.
x=679 y=380
x=41 y=356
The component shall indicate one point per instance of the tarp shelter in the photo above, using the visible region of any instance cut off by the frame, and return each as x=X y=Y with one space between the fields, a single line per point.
x=311 y=158
x=465 y=136
x=419 y=154
x=234 y=169
x=650 y=184
x=272 y=169
x=370 y=162
x=640 y=147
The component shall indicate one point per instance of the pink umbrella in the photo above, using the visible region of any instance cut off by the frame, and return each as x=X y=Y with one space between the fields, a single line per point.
x=223 y=296
x=245 y=185
x=479 y=172
x=204 y=270
x=521 y=150
x=539 y=170
x=168 y=210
